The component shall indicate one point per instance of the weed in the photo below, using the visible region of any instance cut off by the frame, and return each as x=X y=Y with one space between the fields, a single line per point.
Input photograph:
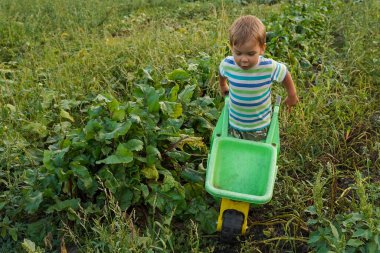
x=106 y=111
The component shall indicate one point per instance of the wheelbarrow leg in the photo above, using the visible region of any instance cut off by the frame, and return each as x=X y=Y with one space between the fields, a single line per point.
x=232 y=220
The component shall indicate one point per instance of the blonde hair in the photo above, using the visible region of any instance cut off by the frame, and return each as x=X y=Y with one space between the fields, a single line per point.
x=246 y=28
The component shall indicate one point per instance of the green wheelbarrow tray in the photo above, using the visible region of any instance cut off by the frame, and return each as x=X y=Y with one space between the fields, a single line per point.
x=243 y=170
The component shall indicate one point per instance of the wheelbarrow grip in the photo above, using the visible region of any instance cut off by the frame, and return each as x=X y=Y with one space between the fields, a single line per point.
x=225 y=116
x=278 y=100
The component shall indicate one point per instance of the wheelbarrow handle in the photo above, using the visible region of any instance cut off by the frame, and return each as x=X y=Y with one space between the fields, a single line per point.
x=278 y=100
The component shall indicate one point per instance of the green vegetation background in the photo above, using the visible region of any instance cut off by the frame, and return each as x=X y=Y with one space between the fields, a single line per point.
x=107 y=108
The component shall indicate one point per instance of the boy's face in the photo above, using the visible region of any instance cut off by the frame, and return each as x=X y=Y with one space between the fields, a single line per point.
x=247 y=55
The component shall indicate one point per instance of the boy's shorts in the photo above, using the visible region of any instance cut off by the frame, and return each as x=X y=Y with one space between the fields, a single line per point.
x=251 y=135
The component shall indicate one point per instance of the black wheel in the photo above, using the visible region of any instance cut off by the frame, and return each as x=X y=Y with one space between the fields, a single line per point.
x=231 y=226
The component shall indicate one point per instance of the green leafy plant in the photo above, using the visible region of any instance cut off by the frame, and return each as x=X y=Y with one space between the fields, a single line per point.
x=143 y=150
x=356 y=231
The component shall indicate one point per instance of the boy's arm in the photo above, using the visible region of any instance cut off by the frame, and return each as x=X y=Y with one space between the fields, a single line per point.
x=223 y=85
x=292 y=98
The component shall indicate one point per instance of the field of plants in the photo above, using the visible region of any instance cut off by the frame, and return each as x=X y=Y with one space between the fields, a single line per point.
x=106 y=113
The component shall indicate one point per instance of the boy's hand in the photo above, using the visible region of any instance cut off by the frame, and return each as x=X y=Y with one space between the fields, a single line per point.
x=224 y=90
x=292 y=98
x=223 y=85
x=291 y=101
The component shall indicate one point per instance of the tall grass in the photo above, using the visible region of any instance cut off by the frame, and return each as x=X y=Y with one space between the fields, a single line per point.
x=55 y=54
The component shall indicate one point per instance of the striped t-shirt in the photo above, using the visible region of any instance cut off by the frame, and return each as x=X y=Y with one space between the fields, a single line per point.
x=250 y=92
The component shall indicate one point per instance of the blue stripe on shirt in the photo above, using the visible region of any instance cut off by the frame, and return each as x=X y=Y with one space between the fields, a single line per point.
x=274 y=72
x=248 y=78
x=230 y=61
x=250 y=130
x=250 y=121
x=250 y=104
x=265 y=63
x=253 y=98
x=250 y=115
x=249 y=85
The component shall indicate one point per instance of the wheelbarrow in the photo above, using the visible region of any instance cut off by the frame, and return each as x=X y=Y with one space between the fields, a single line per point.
x=241 y=172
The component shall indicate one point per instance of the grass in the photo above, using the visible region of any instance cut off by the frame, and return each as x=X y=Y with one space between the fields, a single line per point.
x=55 y=55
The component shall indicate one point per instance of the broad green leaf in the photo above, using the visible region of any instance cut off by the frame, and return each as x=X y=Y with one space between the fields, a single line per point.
x=118 y=115
x=203 y=124
x=92 y=128
x=113 y=105
x=29 y=246
x=82 y=173
x=103 y=98
x=169 y=183
x=123 y=151
x=364 y=233
x=67 y=104
x=2 y=204
x=173 y=123
x=47 y=160
x=173 y=95
x=171 y=109
x=121 y=129
x=311 y=209
x=13 y=233
x=314 y=237
x=96 y=111
x=311 y=222
x=122 y=155
x=153 y=100
x=54 y=159
x=355 y=243
x=36 y=128
x=150 y=96
x=152 y=154
x=193 y=142
x=147 y=75
x=114 y=159
x=117 y=112
x=134 y=145
x=186 y=94
x=334 y=231
x=47 y=98
x=204 y=218
x=179 y=156
x=353 y=218
x=144 y=189
x=38 y=229
x=66 y=115
x=33 y=201
x=157 y=200
x=107 y=176
x=124 y=197
x=150 y=172
x=178 y=75
x=192 y=176
x=64 y=205
x=373 y=246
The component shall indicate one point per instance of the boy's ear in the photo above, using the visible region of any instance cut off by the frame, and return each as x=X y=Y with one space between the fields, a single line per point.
x=263 y=48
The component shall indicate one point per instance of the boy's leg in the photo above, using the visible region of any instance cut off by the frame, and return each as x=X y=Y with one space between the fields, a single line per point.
x=253 y=135
x=235 y=133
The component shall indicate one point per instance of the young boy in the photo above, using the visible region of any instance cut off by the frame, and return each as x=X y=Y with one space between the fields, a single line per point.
x=250 y=76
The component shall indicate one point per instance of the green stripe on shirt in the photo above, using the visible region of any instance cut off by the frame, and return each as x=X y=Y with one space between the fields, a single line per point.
x=248 y=71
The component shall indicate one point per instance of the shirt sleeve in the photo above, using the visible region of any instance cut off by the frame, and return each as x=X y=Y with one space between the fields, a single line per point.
x=279 y=71
x=222 y=72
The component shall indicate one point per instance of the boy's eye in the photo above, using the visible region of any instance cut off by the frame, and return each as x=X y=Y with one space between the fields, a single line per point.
x=251 y=53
